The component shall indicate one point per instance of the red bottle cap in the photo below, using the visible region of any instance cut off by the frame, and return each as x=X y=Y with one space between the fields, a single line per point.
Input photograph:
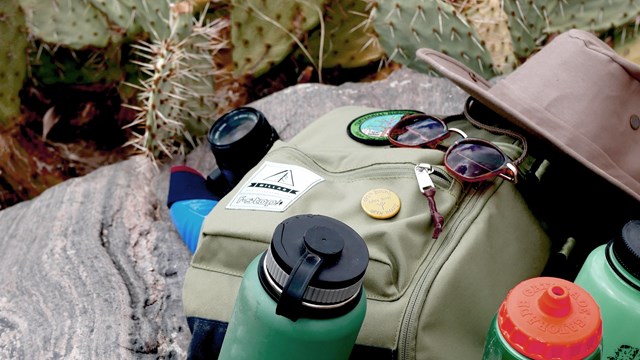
x=550 y=318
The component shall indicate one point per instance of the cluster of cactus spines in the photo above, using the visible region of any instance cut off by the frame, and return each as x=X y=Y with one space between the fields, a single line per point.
x=595 y=16
x=263 y=32
x=490 y=22
x=50 y=66
x=406 y=26
x=135 y=16
x=349 y=38
x=528 y=24
x=72 y=23
x=13 y=60
x=80 y=41
x=79 y=24
x=628 y=46
x=532 y=21
x=178 y=99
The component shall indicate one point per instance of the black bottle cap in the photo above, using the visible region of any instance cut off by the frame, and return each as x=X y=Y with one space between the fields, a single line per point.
x=626 y=248
x=315 y=263
x=288 y=245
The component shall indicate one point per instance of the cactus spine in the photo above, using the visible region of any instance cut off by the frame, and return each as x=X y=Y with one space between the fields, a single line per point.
x=263 y=33
x=179 y=89
x=406 y=26
x=490 y=23
x=349 y=38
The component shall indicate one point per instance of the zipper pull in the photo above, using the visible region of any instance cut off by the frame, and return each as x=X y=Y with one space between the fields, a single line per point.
x=428 y=189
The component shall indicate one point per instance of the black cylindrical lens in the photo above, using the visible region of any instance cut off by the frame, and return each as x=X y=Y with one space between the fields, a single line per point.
x=238 y=140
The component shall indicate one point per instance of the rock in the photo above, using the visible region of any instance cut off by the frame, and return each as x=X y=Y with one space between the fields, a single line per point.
x=93 y=267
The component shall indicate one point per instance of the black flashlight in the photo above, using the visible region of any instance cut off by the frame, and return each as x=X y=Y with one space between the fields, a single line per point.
x=238 y=140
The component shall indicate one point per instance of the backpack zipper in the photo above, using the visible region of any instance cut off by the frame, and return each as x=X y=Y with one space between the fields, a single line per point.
x=440 y=178
x=432 y=264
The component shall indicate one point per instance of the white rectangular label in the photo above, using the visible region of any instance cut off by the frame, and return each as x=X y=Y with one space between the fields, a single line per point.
x=274 y=187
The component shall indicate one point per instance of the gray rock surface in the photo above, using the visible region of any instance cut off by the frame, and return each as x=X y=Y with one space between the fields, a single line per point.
x=93 y=268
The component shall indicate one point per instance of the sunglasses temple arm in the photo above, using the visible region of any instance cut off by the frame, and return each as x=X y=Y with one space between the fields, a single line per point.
x=511 y=174
x=496 y=130
x=459 y=132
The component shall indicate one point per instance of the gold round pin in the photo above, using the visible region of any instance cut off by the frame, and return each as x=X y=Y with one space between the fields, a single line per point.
x=380 y=203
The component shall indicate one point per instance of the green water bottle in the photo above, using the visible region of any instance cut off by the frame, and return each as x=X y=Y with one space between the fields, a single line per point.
x=611 y=274
x=545 y=318
x=303 y=298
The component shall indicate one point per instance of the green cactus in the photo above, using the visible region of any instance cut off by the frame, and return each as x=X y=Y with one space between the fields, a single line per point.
x=630 y=50
x=528 y=24
x=263 y=33
x=349 y=38
x=79 y=24
x=532 y=21
x=594 y=16
x=72 y=23
x=13 y=60
x=177 y=100
x=491 y=24
x=135 y=16
x=76 y=67
x=406 y=26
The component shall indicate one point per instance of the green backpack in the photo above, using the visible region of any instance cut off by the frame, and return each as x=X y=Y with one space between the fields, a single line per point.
x=426 y=298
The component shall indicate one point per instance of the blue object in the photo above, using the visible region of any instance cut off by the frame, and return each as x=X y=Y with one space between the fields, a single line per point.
x=189 y=202
x=188 y=215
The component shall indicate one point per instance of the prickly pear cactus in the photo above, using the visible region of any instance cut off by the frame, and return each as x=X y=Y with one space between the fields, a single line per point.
x=72 y=23
x=76 y=67
x=490 y=22
x=626 y=42
x=13 y=60
x=630 y=50
x=406 y=26
x=349 y=38
x=263 y=33
x=135 y=16
x=79 y=24
x=532 y=21
x=177 y=100
x=595 y=16
x=528 y=22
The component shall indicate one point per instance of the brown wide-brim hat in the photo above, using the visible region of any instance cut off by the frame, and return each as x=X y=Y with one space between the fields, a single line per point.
x=576 y=93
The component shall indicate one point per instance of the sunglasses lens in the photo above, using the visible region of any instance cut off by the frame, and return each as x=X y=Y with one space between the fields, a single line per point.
x=472 y=160
x=417 y=131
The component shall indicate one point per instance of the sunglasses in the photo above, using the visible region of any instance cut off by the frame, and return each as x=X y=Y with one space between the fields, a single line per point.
x=468 y=159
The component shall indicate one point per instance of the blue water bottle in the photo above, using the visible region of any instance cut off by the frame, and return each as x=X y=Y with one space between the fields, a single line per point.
x=189 y=202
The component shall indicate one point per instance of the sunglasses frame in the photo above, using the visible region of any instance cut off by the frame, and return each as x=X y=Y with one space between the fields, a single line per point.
x=508 y=170
x=409 y=120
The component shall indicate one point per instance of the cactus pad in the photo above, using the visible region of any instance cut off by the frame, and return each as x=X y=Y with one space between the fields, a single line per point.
x=406 y=26
x=595 y=16
x=177 y=100
x=528 y=23
x=13 y=60
x=350 y=40
x=72 y=23
x=79 y=67
x=263 y=32
x=490 y=22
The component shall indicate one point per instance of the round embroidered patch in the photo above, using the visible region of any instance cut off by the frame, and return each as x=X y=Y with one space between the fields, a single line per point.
x=372 y=128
